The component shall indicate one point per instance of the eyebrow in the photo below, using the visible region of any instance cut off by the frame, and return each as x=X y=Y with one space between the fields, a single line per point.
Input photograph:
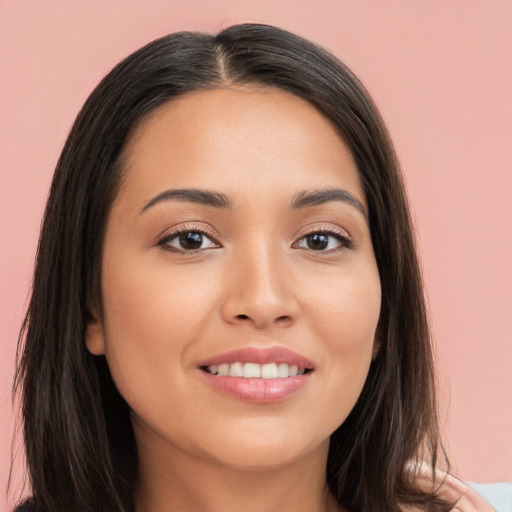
x=304 y=199
x=321 y=196
x=191 y=195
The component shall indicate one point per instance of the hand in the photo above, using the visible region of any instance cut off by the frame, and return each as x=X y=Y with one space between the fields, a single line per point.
x=454 y=490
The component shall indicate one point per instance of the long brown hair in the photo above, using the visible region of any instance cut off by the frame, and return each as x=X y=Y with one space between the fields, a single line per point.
x=79 y=442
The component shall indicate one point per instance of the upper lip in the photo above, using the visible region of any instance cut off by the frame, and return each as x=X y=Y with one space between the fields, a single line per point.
x=260 y=356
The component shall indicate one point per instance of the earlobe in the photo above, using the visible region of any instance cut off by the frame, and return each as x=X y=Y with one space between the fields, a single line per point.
x=94 y=335
x=377 y=342
x=376 y=348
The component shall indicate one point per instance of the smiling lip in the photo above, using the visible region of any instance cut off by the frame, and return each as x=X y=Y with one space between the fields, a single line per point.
x=261 y=356
x=258 y=390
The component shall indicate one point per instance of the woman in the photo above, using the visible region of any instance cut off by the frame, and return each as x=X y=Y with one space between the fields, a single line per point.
x=227 y=309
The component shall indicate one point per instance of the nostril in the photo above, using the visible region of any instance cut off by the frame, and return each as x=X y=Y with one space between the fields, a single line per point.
x=260 y=322
x=283 y=321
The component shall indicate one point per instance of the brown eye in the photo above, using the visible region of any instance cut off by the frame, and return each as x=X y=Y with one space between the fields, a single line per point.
x=187 y=241
x=191 y=240
x=324 y=241
x=317 y=241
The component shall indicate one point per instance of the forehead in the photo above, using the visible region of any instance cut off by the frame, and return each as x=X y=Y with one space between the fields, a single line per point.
x=242 y=138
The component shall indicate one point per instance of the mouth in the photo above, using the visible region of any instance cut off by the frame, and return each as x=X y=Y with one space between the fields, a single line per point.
x=258 y=375
x=256 y=370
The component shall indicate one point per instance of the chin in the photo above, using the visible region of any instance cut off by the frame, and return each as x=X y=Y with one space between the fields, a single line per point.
x=265 y=451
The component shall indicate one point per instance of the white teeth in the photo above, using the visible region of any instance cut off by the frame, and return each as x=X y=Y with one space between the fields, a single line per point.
x=269 y=371
x=255 y=370
x=283 y=370
x=236 y=370
x=223 y=369
x=252 y=370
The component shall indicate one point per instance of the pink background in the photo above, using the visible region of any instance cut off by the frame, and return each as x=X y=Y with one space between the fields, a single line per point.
x=441 y=73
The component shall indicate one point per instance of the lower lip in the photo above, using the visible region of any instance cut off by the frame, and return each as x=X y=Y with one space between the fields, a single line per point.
x=257 y=391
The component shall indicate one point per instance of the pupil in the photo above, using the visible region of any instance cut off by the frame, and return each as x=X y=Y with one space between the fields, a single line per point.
x=191 y=240
x=317 y=241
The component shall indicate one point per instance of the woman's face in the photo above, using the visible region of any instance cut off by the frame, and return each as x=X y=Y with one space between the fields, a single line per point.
x=238 y=245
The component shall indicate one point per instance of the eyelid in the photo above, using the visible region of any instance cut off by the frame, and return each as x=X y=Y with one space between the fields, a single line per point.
x=323 y=228
x=174 y=231
x=328 y=229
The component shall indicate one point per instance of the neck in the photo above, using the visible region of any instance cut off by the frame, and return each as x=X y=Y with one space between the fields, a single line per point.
x=172 y=480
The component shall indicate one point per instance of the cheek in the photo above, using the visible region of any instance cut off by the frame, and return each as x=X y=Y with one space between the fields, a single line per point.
x=346 y=313
x=151 y=326
x=156 y=304
x=345 y=323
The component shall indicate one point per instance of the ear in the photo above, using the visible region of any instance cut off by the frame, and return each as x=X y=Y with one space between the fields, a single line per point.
x=377 y=342
x=94 y=335
x=376 y=348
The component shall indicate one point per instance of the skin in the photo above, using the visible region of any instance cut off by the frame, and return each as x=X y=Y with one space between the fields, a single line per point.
x=254 y=282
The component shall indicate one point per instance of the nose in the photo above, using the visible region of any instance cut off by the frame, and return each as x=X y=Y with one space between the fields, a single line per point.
x=260 y=291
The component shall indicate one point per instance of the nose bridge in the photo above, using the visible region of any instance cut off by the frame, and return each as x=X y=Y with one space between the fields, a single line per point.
x=259 y=290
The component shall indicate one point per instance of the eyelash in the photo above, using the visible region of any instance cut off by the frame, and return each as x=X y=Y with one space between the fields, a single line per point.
x=344 y=241
x=341 y=236
x=169 y=237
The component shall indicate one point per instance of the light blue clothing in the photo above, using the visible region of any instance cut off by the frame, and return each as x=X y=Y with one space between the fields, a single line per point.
x=498 y=495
